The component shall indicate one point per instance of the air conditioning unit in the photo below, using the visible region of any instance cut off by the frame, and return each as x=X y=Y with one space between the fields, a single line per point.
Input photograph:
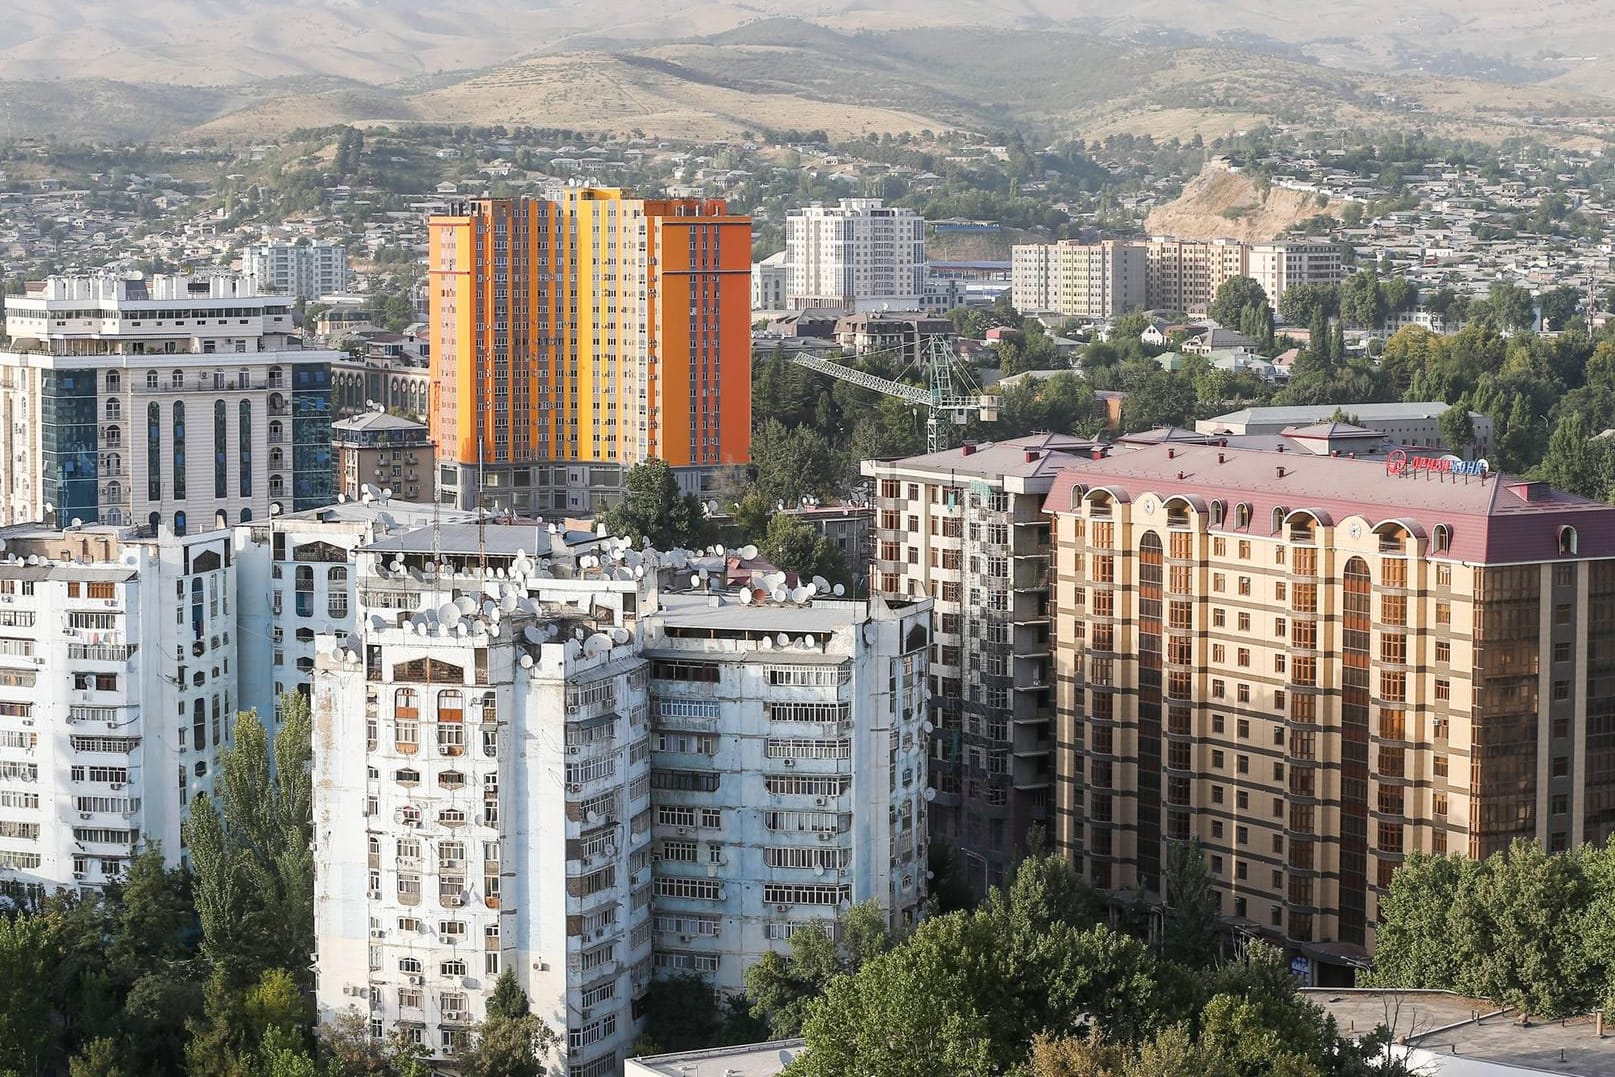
x=447 y=940
x=454 y=1015
x=117 y=785
x=453 y=901
x=684 y=830
x=825 y=836
x=820 y=802
x=442 y=749
x=779 y=908
x=84 y=815
x=684 y=938
x=78 y=875
x=789 y=762
x=415 y=981
x=574 y=788
x=377 y=933
x=573 y=749
x=112 y=602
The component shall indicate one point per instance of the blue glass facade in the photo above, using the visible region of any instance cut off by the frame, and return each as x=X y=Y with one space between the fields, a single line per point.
x=69 y=435
x=313 y=480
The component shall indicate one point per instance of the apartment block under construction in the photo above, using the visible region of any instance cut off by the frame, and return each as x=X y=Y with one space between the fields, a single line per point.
x=1317 y=666
x=574 y=337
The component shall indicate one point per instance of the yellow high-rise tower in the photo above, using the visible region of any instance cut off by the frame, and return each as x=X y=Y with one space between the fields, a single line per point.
x=573 y=338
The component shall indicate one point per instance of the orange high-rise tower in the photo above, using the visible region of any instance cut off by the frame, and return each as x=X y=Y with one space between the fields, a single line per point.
x=573 y=338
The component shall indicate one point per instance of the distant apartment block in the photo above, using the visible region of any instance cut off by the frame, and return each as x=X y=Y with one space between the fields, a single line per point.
x=1184 y=274
x=1079 y=280
x=770 y=281
x=300 y=270
x=1277 y=267
x=386 y=452
x=858 y=255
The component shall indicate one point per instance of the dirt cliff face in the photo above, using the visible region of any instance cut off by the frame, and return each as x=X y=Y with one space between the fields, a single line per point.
x=1218 y=203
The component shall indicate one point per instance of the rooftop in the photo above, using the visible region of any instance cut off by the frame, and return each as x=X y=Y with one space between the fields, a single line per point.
x=1492 y=518
x=1036 y=456
x=1308 y=414
x=378 y=421
x=695 y=609
x=468 y=539
x=747 y=1060
x=1454 y=1036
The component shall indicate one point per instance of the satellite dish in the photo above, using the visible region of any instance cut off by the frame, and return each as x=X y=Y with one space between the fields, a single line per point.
x=838 y=590
x=930 y=795
x=420 y=628
x=448 y=613
x=534 y=634
x=820 y=583
x=577 y=634
x=387 y=493
x=928 y=727
x=783 y=640
x=78 y=521
x=745 y=596
x=573 y=648
x=766 y=643
x=593 y=818
x=778 y=594
x=466 y=604
x=800 y=595
x=508 y=602
x=748 y=552
x=695 y=580
x=818 y=869
x=620 y=635
x=526 y=661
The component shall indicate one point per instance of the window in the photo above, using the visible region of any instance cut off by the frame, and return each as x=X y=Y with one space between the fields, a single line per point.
x=1245 y=585
x=1444 y=613
x=1444 y=651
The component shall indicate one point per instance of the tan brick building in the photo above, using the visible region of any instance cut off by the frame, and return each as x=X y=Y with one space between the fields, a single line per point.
x=1318 y=665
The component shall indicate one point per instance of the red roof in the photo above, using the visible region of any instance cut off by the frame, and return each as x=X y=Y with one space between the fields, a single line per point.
x=1494 y=519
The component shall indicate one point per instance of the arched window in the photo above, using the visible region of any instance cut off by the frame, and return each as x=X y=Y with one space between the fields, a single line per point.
x=114 y=382
x=336 y=593
x=221 y=450
x=277 y=459
x=1218 y=511
x=244 y=441
x=114 y=436
x=246 y=516
x=114 y=410
x=113 y=464
x=275 y=431
x=1278 y=518
x=151 y=379
x=177 y=379
x=1441 y=539
x=179 y=450
x=154 y=452
x=1242 y=515
x=179 y=522
x=1567 y=542
x=114 y=492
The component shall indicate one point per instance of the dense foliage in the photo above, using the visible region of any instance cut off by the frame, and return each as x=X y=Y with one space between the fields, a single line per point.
x=1529 y=929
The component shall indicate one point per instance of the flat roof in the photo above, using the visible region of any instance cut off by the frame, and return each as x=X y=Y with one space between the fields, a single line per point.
x=747 y=1060
x=1307 y=414
x=694 y=609
x=470 y=539
x=1466 y=1036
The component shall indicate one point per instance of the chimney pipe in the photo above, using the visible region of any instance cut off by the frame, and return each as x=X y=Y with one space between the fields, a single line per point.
x=1222 y=458
x=1171 y=454
x=1281 y=446
x=1031 y=455
x=1280 y=470
x=1180 y=476
x=968 y=448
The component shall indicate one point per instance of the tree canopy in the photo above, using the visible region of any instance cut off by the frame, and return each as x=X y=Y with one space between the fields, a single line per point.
x=653 y=509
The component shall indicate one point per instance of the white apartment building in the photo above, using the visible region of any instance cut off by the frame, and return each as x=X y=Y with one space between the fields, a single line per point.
x=501 y=770
x=117 y=673
x=298 y=270
x=525 y=807
x=1279 y=266
x=966 y=528
x=1184 y=274
x=295 y=580
x=1079 y=280
x=788 y=772
x=770 y=281
x=174 y=400
x=858 y=255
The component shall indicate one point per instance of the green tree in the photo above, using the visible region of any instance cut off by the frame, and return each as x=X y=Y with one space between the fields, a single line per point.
x=1560 y=307
x=653 y=510
x=1235 y=296
x=1457 y=427
x=793 y=464
x=1413 y=948
x=513 y=1041
x=783 y=988
x=1189 y=932
x=1301 y=302
x=794 y=545
x=30 y=950
x=100 y=1059
x=1362 y=301
x=1508 y=306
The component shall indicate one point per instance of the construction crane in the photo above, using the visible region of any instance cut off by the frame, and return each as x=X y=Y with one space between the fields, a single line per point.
x=938 y=397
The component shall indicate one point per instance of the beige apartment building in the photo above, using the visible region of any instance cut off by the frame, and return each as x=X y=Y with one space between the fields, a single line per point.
x=1078 y=280
x=1319 y=665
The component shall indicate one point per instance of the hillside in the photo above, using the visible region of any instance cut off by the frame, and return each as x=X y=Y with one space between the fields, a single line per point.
x=706 y=69
x=1219 y=202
